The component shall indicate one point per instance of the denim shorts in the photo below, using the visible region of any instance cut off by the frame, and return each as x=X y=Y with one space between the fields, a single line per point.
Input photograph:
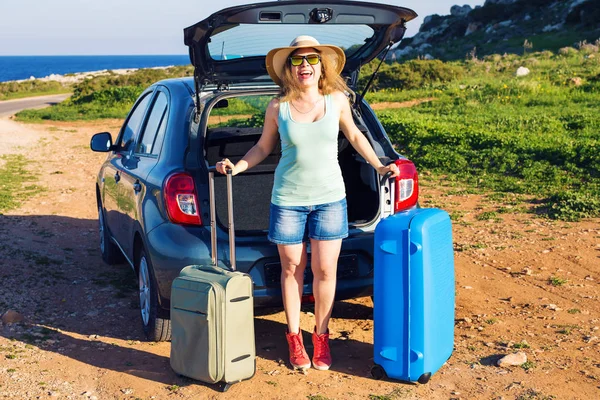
x=296 y=224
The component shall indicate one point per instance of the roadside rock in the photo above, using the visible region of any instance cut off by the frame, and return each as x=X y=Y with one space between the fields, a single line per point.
x=460 y=11
x=522 y=71
x=11 y=317
x=514 y=359
x=576 y=81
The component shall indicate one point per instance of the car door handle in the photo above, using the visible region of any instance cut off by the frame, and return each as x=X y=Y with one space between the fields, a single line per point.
x=117 y=177
x=137 y=187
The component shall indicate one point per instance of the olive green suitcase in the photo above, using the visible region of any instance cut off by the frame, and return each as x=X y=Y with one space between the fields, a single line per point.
x=212 y=315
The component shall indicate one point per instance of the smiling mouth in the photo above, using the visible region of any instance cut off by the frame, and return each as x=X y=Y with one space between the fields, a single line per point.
x=305 y=74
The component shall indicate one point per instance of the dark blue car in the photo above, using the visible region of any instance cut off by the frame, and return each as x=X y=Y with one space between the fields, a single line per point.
x=152 y=190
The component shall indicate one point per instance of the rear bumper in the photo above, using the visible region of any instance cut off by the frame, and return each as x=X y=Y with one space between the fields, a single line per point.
x=173 y=247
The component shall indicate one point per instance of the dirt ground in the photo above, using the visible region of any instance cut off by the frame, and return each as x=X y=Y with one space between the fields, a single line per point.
x=523 y=283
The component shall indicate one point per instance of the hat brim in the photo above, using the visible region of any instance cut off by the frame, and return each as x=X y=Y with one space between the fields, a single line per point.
x=277 y=58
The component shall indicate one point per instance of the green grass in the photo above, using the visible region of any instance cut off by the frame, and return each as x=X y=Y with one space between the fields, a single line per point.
x=394 y=394
x=109 y=96
x=528 y=365
x=17 y=90
x=557 y=281
x=15 y=182
x=534 y=139
x=173 y=388
x=532 y=394
x=537 y=136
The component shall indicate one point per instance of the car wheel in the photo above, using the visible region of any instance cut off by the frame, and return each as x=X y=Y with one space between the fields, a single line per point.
x=155 y=328
x=111 y=254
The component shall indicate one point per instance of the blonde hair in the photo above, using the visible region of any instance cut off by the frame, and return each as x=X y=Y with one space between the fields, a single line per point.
x=329 y=81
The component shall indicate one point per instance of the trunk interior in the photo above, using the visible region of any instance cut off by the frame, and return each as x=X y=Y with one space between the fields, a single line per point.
x=252 y=189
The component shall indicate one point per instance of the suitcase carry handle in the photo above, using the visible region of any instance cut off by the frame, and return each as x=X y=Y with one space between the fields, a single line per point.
x=213 y=217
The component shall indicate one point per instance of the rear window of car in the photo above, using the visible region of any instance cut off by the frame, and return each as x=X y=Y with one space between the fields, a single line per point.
x=257 y=40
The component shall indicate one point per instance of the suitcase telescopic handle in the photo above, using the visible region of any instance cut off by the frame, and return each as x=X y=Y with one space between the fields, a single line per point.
x=213 y=217
x=387 y=193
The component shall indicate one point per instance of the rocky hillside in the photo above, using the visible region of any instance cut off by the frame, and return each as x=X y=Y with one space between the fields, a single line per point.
x=504 y=26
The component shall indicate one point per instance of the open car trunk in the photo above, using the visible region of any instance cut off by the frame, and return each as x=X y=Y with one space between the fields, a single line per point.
x=252 y=189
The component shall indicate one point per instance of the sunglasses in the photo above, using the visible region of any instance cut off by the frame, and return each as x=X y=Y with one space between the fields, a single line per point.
x=312 y=59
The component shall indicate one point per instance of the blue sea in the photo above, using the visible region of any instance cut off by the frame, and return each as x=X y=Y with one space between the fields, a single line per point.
x=23 y=67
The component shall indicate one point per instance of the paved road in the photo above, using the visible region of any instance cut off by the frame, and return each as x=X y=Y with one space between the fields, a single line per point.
x=10 y=107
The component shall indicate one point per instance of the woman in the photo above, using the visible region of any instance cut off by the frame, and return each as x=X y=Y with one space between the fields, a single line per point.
x=308 y=201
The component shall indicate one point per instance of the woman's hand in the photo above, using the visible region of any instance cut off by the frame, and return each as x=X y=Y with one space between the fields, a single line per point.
x=225 y=164
x=392 y=168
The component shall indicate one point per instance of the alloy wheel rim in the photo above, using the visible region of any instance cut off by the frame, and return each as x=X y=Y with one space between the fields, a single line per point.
x=144 y=285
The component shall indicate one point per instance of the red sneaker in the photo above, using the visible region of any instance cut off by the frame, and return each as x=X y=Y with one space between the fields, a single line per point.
x=322 y=356
x=298 y=356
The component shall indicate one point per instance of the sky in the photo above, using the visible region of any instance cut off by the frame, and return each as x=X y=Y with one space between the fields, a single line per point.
x=114 y=27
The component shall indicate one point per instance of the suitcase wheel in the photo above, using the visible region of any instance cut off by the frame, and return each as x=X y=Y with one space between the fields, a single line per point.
x=223 y=387
x=378 y=372
x=423 y=379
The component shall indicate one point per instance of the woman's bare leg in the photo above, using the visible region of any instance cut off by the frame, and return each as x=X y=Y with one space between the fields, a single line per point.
x=324 y=260
x=293 y=262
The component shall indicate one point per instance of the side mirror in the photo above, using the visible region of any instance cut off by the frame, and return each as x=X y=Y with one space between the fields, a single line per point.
x=101 y=142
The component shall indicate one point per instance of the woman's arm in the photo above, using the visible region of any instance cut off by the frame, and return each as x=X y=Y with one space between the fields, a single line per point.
x=357 y=139
x=264 y=146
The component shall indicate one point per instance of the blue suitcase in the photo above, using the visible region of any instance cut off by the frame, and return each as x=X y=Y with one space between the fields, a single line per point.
x=413 y=289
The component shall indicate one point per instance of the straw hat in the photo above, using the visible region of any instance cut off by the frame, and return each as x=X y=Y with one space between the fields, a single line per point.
x=277 y=57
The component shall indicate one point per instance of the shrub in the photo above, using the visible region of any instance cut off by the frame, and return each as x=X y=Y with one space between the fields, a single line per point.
x=415 y=74
x=572 y=206
x=14 y=89
x=111 y=96
x=567 y=51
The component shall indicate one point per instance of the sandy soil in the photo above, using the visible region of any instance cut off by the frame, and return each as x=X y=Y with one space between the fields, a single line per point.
x=81 y=337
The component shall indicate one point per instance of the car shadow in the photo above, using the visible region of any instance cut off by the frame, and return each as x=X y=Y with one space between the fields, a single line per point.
x=69 y=298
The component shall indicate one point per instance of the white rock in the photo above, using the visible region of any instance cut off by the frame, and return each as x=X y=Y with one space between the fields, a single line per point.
x=472 y=27
x=552 y=28
x=514 y=359
x=522 y=71
x=575 y=4
x=405 y=51
x=499 y=2
x=428 y=57
x=458 y=11
x=423 y=47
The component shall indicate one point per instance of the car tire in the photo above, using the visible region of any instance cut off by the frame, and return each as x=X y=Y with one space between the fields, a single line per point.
x=155 y=328
x=111 y=254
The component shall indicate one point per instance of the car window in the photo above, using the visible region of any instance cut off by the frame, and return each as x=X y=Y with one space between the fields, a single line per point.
x=152 y=134
x=241 y=41
x=132 y=126
x=240 y=112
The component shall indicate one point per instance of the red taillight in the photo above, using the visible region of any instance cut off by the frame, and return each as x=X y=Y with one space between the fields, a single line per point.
x=407 y=186
x=181 y=200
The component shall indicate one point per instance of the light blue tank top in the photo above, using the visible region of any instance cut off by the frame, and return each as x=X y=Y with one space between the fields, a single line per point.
x=308 y=172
